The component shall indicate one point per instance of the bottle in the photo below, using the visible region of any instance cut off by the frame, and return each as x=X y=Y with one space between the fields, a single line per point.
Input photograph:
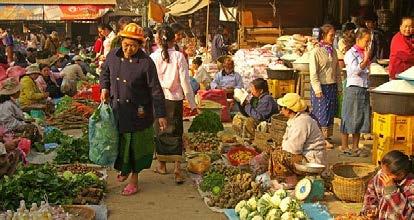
x=25 y=215
x=22 y=205
x=34 y=208
x=9 y=215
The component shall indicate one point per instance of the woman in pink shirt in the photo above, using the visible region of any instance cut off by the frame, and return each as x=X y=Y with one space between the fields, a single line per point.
x=172 y=68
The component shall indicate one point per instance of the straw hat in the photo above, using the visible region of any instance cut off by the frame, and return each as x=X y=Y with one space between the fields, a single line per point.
x=293 y=101
x=34 y=68
x=9 y=86
x=132 y=31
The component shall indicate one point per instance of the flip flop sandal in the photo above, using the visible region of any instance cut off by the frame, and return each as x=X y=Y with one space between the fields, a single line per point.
x=130 y=190
x=329 y=146
x=157 y=170
x=178 y=178
x=121 y=178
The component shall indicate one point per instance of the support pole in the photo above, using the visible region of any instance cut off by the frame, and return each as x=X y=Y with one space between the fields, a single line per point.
x=207 y=27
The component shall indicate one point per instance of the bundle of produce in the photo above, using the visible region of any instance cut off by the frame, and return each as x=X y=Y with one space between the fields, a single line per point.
x=237 y=188
x=45 y=211
x=187 y=112
x=69 y=119
x=227 y=171
x=208 y=122
x=213 y=182
x=32 y=183
x=80 y=169
x=54 y=136
x=73 y=150
x=90 y=190
x=203 y=141
x=270 y=206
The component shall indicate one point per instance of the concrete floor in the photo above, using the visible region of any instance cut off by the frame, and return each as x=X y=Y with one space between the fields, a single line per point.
x=161 y=199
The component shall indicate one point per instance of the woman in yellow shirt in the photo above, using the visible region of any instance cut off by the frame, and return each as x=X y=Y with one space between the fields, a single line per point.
x=30 y=96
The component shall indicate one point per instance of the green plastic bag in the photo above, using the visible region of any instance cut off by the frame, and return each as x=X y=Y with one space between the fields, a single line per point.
x=103 y=136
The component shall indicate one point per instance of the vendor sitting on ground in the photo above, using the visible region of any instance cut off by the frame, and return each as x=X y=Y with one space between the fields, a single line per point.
x=201 y=74
x=260 y=107
x=30 y=95
x=11 y=116
x=227 y=79
x=302 y=141
x=390 y=192
x=71 y=74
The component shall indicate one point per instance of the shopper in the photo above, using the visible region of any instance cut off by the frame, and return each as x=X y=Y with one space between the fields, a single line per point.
x=402 y=49
x=52 y=86
x=109 y=35
x=325 y=77
x=117 y=40
x=219 y=46
x=52 y=43
x=356 y=113
x=302 y=141
x=390 y=192
x=378 y=45
x=173 y=74
x=71 y=74
x=129 y=82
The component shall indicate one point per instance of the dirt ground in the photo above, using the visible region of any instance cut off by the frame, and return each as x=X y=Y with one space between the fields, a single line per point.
x=161 y=199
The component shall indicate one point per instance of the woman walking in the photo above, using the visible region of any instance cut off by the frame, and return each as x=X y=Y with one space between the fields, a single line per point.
x=325 y=76
x=130 y=84
x=356 y=112
x=173 y=74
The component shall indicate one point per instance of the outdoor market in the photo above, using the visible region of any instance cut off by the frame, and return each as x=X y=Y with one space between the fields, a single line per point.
x=207 y=109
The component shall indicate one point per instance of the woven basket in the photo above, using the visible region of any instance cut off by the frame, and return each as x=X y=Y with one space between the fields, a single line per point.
x=351 y=180
x=261 y=140
x=80 y=212
x=279 y=122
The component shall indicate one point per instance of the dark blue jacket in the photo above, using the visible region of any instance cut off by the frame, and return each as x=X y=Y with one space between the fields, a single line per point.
x=133 y=85
x=262 y=108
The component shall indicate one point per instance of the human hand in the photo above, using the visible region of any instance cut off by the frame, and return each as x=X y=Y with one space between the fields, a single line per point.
x=387 y=180
x=319 y=95
x=104 y=95
x=163 y=123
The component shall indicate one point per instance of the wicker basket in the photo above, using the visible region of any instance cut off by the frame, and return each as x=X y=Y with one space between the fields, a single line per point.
x=80 y=212
x=278 y=122
x=261 y=140
x=351 y=180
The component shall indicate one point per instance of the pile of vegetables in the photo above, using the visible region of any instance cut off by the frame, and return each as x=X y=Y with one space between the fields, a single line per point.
x=54 y=136
x=227 y=171
x=32 y=183
x=64 y=104
x=80 y=169
x=72 y=114
x=237 y=188
x=213 y=182
x=203 y=142
x=73 y=150
x=207 y=121
x=271 y=206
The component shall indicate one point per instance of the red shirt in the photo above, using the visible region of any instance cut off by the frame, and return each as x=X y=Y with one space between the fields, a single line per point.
x=97 y=48
x=401 y=56
x=396 y=202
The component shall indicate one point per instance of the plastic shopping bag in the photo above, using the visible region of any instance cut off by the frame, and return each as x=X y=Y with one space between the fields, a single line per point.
x=103 y=136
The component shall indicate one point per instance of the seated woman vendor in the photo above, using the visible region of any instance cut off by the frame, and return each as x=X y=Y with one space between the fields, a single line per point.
x=227 y=79
x=261 y=106
x=30 y=95
x=302 y=141
x=390 y=193
x=11 y=116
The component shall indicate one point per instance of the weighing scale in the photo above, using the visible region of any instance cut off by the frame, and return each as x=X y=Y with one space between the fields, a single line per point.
x=311 y=188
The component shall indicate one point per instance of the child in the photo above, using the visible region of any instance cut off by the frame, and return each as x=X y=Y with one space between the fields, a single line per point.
x=390 y=194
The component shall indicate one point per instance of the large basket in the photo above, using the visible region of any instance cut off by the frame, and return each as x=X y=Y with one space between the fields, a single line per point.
x=351 y=180
x=263 y=140
x=80 y=212
x=279 y=122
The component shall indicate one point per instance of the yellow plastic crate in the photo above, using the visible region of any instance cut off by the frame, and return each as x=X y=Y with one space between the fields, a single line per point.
x=278 y=88
x=398 y=129
x=382 y=146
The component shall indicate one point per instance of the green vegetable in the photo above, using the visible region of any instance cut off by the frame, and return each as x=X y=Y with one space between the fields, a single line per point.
x=64 y=104
x=207 y=121
x=54 y=136
x=33 y=182
x=216 y=190
x=72 y=150
x=67 y=175
x=212 y=180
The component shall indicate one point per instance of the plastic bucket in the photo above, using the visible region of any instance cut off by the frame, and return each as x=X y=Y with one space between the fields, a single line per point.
x=96 y=92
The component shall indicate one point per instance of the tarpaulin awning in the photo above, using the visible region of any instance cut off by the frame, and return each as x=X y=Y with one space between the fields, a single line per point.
x=52 y=12
x=186 y=7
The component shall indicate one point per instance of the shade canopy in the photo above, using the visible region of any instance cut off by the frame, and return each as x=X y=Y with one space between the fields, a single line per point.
x=186 y=7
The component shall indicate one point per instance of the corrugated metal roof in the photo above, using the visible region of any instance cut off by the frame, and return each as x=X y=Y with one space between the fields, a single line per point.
x=58 y=2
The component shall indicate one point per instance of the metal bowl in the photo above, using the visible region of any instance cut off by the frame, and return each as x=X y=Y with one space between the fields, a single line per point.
x=383 y=61
x=392 y=102
x=288 y=74
x=310 y=168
